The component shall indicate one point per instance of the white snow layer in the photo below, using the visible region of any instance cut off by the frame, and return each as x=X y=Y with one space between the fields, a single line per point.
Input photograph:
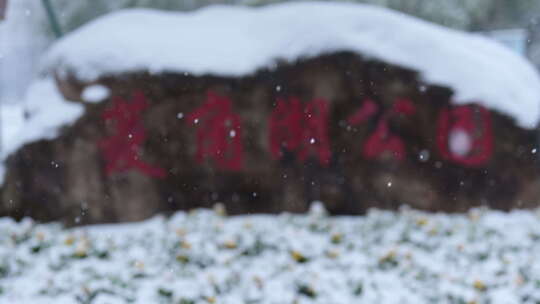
x=237 y=41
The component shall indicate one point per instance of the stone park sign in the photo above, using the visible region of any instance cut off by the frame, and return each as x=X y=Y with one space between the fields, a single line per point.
x=351 y=131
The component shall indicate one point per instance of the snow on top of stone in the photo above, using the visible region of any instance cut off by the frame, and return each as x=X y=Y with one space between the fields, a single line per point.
x=237 y=41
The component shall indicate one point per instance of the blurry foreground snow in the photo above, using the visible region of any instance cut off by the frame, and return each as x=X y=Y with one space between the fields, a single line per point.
x=207 y=257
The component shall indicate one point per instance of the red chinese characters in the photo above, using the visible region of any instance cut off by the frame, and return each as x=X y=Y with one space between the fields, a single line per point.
x=121 y=150
x=219 y=136
x=301 y=129
x=382 y=140
x=465 y=135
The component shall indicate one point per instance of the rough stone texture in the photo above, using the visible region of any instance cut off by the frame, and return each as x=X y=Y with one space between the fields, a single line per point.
x=64 y=179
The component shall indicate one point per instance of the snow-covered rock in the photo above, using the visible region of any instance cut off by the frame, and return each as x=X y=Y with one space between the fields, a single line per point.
x=238 y=42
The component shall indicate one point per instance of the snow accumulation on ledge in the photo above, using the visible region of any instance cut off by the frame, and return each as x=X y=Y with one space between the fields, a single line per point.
x=237 y=41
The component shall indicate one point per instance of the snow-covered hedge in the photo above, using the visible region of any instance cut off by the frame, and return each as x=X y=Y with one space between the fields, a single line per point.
x=206 y=257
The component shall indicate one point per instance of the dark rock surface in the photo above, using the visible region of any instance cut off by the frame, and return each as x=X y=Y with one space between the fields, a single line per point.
x=67 y=179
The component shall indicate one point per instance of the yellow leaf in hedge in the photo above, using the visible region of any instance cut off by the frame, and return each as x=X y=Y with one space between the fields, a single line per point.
x=408 y=255
x=422 y=222
x=389 y=256
x=332 y=254
x=185 y=245
x=220 y=209
x=474 y=216
x=139 y=265
x=258 y=282
x=297 y=256
x=211 y=299
x=182 y=258
x=337 y=238
x=479 y=285
x=80 y=252
x=230 y=244
x=69 y=240
x=180 y=232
